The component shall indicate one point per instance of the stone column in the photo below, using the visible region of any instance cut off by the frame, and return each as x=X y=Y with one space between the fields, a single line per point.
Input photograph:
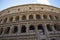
x=52 y=25
x=34 y=16
x=46 y=31
x=27 y=28
x=11 y=29
x=45 y=28
x=42 y=17
x=27 y=17
x=8 y=20
x=37 y=33
x=48 y=17
x=20 y=17
x=3 y=30
x=13 y=18
x=2 y=21
x=54 y=17
x=19 y=29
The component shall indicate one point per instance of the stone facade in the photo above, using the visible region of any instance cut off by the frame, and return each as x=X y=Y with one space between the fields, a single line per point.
x=30 y=22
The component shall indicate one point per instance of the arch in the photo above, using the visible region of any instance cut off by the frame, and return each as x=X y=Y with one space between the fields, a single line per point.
x=56 y=17
x=45 y=16
x=18 y=9
x=30 y=8
x=7 y=30
x=23 y=29
x=49 y=27
x=51 y=17
x=31 y=27
x=5 y=20
x=57 y=27
x=38 y=17
x=30 y=16
x=1 y=30
x=11 y=19
x=17 y=18
x=40 y=27
x=15 y=29
x=23 y=17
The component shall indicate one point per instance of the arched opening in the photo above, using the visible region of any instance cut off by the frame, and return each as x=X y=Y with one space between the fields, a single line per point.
x=56 y=18
x=31 y=27
x=45 y=16
x=30 y=16
x=11 y=19
x=51 y=17
x=23 y=29
x=57 y=27
x=5 y=20
x=7 y=30
x=38 y=17
x=30 y=8
x=49 y=27
x=17 y=18
x=1 y=30
x=23 y=17
x=19 y=9
x=15 y=29
x=40 y=27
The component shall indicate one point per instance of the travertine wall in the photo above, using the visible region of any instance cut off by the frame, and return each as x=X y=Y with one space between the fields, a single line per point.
x=30 y=22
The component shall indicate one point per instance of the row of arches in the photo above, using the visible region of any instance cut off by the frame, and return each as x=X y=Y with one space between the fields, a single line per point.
x=31 y=27
x=30 y=17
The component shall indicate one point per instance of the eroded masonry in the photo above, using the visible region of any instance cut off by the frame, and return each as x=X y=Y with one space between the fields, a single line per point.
x=30 y=22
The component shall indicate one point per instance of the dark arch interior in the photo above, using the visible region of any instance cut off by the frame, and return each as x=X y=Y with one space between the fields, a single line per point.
x=30 y=16
x=15 y=29
x=57 y=27
x=23 y=29
x=51 y=17
x=40 y=27
x=7 y=30
x=56 y=17
x=31 y=27
x=17 y=18
x=38 y=17
x=23 y=17
x=5 y=20
x=45 y=16
x=1 y=30
x=11 y=19
x=49 y=27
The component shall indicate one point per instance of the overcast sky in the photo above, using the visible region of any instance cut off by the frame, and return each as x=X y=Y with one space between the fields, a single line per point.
x=9 y=3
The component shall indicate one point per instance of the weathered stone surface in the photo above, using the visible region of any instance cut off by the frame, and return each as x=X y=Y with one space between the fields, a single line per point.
x=30 y=22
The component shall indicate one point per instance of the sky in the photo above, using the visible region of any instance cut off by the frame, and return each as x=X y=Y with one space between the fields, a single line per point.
x=4 y=4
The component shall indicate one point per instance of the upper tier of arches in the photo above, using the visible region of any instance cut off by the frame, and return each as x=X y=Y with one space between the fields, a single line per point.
x=29 y=7
x=23 y=17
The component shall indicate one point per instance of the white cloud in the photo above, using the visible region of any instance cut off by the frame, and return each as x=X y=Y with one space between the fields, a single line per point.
x=43 y=2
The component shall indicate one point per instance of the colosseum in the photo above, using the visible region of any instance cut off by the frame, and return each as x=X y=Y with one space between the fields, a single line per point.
x=30 y=22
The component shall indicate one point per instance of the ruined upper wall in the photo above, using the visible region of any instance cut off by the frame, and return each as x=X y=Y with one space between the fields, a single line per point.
x=29 y=7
